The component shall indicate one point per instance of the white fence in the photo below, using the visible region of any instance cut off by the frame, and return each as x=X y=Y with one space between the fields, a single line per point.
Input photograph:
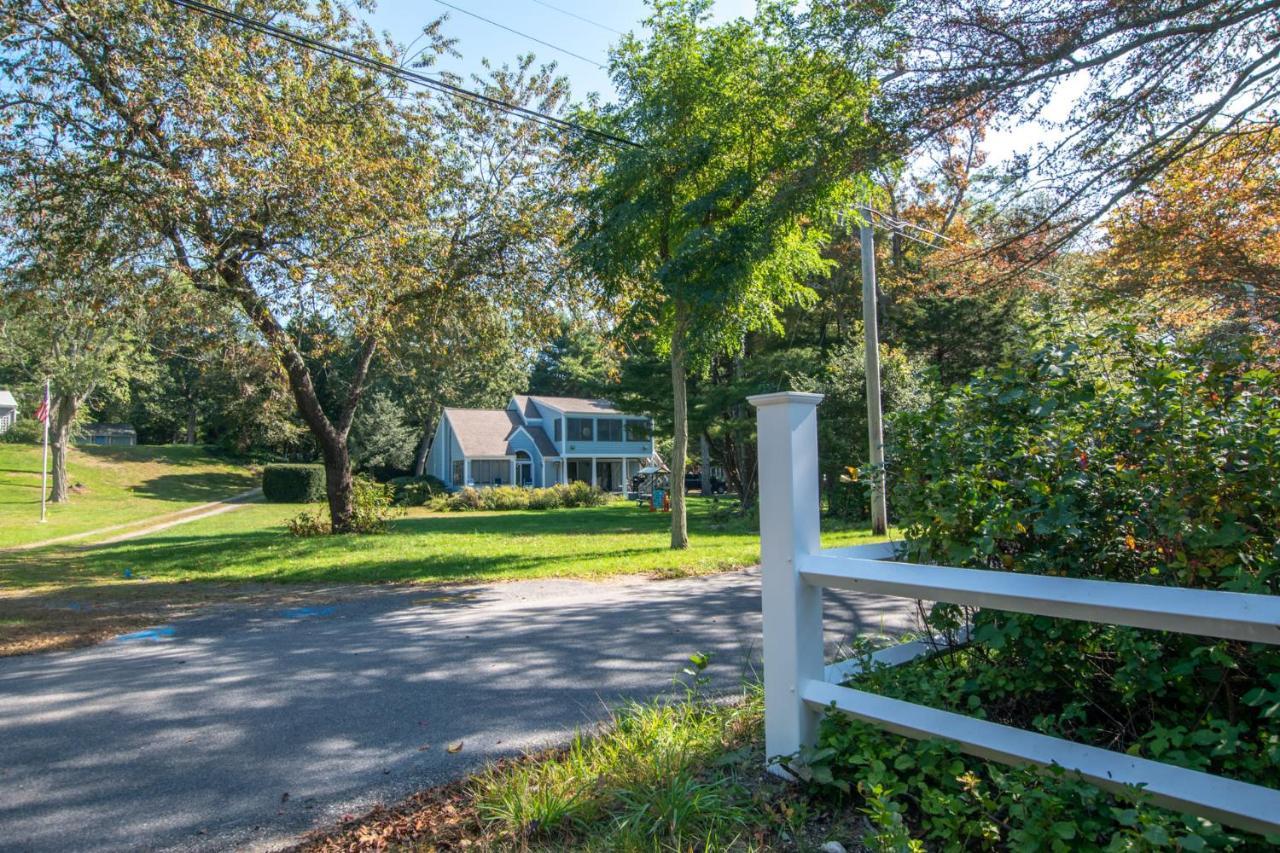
x=798 y=687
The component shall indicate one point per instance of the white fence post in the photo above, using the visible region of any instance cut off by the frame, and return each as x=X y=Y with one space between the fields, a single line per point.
x=787 y=424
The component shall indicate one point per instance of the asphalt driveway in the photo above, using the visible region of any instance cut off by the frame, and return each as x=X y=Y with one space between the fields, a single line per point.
x=244 y=728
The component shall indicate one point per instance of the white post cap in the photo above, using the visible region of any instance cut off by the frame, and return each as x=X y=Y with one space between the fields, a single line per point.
x=778 y=398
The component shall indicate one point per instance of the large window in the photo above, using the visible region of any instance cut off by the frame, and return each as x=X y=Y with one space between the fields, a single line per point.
x=490 y=472
x=580 y=429
x=579 y=470
x=637 y=430
x=459 y=472
x=608 y=429
x=559 y=429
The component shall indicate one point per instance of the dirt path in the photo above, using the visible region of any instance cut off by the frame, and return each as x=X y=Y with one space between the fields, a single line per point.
x=148 y=525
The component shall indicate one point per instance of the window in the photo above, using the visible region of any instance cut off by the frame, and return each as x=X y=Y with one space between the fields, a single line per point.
x=608 y=429
x=459 y=471
x=579 y=470
x=580 y=429
x=559 y=429
x=637 y=430
x=490 y=472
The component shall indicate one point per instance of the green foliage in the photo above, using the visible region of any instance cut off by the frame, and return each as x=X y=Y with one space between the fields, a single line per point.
x=24 y=431
x=516 y=497
x=1110 y=456
x=380 y=436
x=415 y=491
x=641 y=785
x=297 y=484
x=371 y=504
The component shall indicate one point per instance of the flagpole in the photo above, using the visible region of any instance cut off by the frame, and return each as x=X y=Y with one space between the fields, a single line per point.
x=44 y=472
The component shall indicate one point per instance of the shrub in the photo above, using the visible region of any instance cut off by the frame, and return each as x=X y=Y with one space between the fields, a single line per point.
x=293 y=484
x=24 y=431
x=371 y=505
x=415 y=491
x=1110 y=456
x=497 y=498
x=308 y=523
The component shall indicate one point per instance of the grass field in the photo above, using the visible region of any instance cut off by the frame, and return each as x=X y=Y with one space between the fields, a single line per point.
x=64 y=595
x=111 y=486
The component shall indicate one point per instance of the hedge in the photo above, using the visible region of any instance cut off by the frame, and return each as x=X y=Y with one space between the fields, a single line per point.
x=293 y=484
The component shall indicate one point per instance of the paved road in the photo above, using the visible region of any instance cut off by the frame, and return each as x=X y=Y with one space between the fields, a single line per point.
x=190 y=737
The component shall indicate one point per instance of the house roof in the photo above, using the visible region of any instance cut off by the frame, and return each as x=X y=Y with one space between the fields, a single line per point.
x=525 y=402
x=488 y=432
x=101 y=428
x=578 y=405
x=6 y=400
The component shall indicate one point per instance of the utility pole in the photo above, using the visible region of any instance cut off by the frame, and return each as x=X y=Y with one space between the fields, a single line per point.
x=871 y=331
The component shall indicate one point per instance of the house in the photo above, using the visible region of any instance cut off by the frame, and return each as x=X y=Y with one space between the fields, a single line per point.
x=8 y=410
x=541 y=441
x=113 y=435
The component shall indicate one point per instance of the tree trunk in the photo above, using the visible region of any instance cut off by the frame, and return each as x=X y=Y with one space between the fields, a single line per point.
x=337 y=483
x=707 y=487
x=60 y=417
x=680 y=445
x=424 y=446
x=330 y=435
x=191 y=424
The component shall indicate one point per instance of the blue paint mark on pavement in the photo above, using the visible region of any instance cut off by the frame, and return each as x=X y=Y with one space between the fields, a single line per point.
x=149 y=634
x=305 y=612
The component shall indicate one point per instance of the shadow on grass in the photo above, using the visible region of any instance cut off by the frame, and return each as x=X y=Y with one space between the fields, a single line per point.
x=195 y=488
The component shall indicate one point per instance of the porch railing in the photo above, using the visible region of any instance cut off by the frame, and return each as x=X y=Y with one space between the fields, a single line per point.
x=799 y=687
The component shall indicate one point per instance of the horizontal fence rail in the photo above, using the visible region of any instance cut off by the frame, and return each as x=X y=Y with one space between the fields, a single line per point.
x=799 y=687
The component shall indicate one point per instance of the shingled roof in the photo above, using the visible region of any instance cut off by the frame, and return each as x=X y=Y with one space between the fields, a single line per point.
x=487 y=432
x=578 y=405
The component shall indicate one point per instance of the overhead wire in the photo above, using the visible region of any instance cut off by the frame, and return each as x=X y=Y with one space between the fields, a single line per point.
x=579 y=17
x=514 y=31
x=371 y=64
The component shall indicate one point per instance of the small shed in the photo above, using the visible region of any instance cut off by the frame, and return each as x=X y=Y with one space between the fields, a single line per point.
x=8 y=410
x=109 y=435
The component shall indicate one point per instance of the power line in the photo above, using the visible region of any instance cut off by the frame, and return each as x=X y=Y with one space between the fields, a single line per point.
x=377 y=65
x=565 y=51
x=579 y=17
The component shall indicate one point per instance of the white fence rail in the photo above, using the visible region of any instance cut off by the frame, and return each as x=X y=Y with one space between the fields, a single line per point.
x=799 y=687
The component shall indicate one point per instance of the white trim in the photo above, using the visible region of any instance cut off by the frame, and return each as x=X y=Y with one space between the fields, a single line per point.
x=794 y=572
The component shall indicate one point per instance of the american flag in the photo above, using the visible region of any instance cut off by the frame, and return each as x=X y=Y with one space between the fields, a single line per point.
x=42 y=411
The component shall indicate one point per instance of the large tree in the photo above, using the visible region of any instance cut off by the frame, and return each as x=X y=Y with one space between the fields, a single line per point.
x=75 y=299
x=1148 y=79
x=284 y=182
x=744 y=138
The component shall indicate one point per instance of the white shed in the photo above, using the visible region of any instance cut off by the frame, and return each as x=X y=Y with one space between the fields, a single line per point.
x=8 y=410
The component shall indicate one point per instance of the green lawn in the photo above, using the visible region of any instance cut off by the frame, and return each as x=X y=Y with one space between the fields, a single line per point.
x=251 y=544
x=113 y=485
x=64 y=596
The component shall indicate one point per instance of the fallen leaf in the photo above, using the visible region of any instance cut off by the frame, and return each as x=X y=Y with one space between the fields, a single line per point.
x=284 y=798
x=455 y=747
x=424 y=747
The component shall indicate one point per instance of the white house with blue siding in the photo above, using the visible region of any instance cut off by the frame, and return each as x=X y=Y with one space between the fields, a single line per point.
x=540 y=441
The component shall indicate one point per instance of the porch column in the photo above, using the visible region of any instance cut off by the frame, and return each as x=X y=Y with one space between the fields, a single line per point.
x=466 y=471
x=512 y=478
x=593 y=472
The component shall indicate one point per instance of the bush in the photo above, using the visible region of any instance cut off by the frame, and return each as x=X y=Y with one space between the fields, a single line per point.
x=498 y=498
x=1114 y=457
x=293 y=484
x=371 y=505
x=307 y=523
x=415 y=491
x=24 y=431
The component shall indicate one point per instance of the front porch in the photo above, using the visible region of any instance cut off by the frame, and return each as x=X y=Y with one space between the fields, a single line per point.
x=608 y=473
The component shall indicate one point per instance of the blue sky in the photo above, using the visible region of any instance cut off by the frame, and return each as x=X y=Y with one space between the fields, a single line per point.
x=404 y=20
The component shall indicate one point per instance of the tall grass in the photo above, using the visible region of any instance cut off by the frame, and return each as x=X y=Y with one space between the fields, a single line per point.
x=655 y=780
